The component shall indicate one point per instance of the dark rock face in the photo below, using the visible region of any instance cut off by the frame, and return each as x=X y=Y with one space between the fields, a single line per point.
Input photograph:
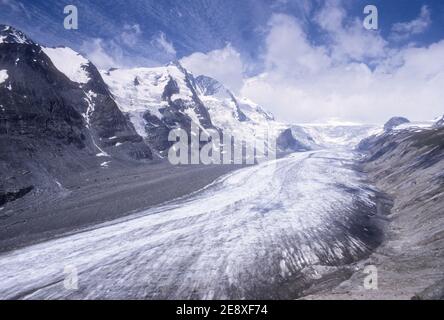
x=209 y=86
x=14 y=195
x=34 y=97
x=286 y=142
x=41 y=101
x=394 y=122
x=440 y=122
x=47 y=124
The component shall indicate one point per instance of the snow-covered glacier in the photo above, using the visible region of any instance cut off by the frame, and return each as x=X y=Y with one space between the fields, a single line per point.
x=251 y=234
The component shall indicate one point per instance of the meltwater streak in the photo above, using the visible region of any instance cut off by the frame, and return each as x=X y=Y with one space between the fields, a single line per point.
x=246 y=236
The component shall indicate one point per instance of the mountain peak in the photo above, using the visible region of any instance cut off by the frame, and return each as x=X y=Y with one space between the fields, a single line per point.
x=9 y=34
x=178 y=65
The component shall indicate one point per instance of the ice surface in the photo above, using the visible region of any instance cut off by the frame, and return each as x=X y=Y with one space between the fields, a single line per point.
x=249 y=232
x=342 y=134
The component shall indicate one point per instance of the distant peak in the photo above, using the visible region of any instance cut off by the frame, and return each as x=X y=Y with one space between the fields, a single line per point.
x=440 y=122
x=209 y=86
x=394 y=122
x=177 y=64
x=9 y=34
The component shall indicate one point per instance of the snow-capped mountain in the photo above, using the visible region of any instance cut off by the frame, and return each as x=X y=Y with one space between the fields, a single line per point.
x=440 y=122
x=109 y=113
x=65 y=91
x=395 y=122
x=56 y=113
x=158 y=100
x=162 y=98
x=395 y=126
x=13 y=36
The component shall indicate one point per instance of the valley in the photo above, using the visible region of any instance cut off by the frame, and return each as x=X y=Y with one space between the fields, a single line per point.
x=263 y=232
x=87 y=187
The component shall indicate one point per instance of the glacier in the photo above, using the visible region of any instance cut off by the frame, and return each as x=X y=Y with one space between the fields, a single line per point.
x=250 y=234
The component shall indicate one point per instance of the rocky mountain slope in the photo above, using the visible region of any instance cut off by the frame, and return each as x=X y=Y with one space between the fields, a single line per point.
x=54 y=119
x=158 y=100
x=60 y=116
x=407 y=164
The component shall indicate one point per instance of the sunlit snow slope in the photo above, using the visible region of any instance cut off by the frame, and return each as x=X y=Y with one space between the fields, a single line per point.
x=150 y=96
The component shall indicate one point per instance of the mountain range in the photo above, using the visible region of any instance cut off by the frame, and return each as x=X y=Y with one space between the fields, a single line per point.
x=59 y=112
x=80 y=146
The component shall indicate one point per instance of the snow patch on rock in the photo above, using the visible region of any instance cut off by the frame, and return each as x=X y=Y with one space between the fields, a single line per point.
x=3 y=76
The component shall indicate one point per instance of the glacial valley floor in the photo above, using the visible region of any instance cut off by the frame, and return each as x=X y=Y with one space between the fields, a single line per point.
x=97 y=196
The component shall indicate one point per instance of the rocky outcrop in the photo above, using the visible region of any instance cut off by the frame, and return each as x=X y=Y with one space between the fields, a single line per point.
x=295 y=139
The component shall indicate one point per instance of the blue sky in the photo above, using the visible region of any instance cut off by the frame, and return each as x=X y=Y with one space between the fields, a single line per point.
x=193 y=25
x=304 y=60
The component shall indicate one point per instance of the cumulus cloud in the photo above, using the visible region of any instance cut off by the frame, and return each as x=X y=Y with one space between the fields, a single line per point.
x=346 y=37
x=224 y=65
x=108 y=53
x=289 y=51
x=355 y=92
x=403 y=30
x=353 y=74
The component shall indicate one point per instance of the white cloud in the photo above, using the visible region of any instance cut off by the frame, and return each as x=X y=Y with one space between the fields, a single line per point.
x=303 y=82
x=404 y=30
x=289 y=51
x=131 y=35
x=224 y=65
x=348 y=39
x=353 y=74
x=355 y=92
x=162 y=43
x=101 y=54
